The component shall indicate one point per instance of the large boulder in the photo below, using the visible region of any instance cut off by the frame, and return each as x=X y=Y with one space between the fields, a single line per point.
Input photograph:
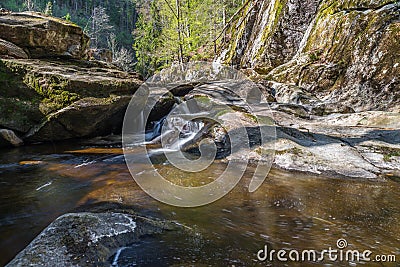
x=43 y=36
x=44 y=100
x=87 y=239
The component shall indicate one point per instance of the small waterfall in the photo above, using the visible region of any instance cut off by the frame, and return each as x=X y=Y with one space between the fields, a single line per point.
x=177 y=132
x=156 y=131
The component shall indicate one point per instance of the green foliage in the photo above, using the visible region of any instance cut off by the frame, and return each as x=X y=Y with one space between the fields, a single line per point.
x=170 y=31
x=49 y=9
x=147 y=41
x=67 y=17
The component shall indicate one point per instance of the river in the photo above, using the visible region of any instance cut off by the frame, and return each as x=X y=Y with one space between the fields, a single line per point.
x=289 y=211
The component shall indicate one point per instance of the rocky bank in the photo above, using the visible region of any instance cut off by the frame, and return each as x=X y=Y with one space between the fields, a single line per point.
x=49 y=91
x=331 y=70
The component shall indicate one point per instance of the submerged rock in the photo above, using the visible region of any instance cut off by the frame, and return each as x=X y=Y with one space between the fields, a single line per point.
x=87 y=239
x=43 y=36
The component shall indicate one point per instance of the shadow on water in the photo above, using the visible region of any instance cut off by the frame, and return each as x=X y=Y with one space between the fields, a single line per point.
x=289 y=211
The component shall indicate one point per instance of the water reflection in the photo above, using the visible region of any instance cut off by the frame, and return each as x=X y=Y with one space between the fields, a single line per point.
x=289 y=211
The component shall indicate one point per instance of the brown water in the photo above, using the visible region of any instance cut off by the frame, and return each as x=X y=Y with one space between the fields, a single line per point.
x=289 y=211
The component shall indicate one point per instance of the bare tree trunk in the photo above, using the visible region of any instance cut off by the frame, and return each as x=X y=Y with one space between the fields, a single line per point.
x=180 y=39
x=224 y=21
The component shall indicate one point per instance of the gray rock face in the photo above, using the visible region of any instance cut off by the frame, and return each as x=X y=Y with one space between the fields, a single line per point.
x=43 y=36
x=343 y=52
x=350 y=55
x=85 y=239
x=345 y=144
x=359 y=145
x=269 y=32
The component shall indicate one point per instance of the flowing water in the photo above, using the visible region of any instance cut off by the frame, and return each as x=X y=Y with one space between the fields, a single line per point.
x=289 y=211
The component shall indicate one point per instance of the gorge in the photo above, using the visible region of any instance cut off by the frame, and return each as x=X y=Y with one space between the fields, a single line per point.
x=328 y=72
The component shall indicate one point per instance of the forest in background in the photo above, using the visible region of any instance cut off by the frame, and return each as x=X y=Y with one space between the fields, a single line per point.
x=144 y=35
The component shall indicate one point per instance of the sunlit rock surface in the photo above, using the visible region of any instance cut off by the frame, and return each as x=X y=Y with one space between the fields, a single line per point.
x=43 y=36
x=343 y=52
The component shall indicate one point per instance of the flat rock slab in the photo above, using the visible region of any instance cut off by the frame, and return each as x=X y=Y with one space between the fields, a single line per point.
x=359 y=145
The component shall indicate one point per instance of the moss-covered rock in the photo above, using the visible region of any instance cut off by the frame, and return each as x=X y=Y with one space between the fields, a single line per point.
x=268 y=33
x=349 y=51
x=37 y=95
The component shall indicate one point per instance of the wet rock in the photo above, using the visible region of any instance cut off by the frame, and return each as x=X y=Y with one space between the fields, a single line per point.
x=10 y=50
x=291 y=94
x=360 y=66
x=43 y=36
x=268 y=33
x=87 y=239
x=297 y=110
x=323 y=109
x=183 y=89
x=162 y=107
x=101 y=116
x=9 y=138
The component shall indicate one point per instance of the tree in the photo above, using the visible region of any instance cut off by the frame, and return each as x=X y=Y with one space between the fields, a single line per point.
x=122 y=15
x=147 y=39
x=122 y=57
x=29 y=5
x=179 y=30
x=49 y=9
x=98 y=27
